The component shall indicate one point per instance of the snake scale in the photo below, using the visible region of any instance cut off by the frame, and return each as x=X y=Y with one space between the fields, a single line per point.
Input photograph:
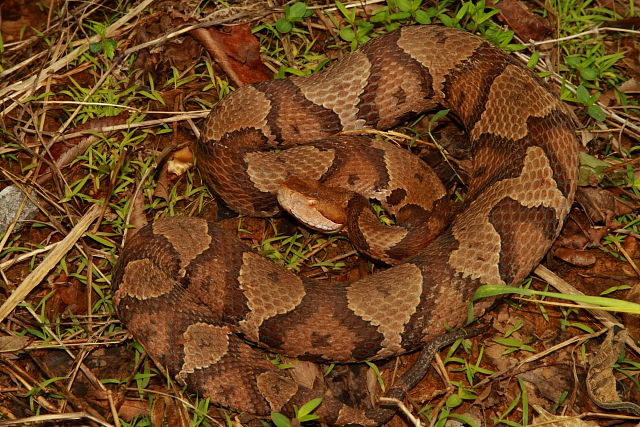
x=195 y=296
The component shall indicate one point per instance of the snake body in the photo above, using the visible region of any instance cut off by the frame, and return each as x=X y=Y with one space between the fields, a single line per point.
x=193 y=295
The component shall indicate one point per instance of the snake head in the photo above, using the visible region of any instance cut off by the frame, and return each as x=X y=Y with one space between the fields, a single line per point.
x=317 y=206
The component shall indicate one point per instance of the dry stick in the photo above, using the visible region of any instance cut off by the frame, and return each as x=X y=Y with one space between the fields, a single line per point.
x=126 y=126
x=36 y=276
x=584 y=33
x=629 y=259
x=37 y=419
x=401 y=406
x=604 y=317
x=22 y=64
x=358 y=3
x=6 y=264
x=30 y=384
x=166 y=37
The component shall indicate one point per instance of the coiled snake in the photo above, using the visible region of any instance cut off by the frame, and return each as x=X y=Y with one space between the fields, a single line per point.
x=193 y=295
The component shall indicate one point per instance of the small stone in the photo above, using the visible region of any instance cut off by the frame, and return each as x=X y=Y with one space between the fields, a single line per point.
x=10 y=199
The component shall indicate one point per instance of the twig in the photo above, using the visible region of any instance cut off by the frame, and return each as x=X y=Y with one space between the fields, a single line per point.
x=54 y=417
x=584 y=33
x=36 y=276
x=127 y=126
x=388 y=400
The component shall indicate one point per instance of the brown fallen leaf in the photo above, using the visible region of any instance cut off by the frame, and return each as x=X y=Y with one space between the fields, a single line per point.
x=549 y=382
x=601 y=205
x=180 y=161
x=304 y=373
x=630 y=63
x=21 y=20
x=164 y=182
x=630 y=245
x=237 y=51
x=526 y=24
x=631 y=85
x=13 y=343
x=165 y=412
x=577 y=257
x=131 y=409
x=70 y=294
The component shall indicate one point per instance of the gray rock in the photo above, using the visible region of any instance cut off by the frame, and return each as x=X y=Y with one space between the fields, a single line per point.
x=10 y=199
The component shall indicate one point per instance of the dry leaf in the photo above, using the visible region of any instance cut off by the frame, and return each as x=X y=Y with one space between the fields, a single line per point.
x=237 y=51
x=166 y=413
x=601 y=205
x=11 y=343
x=631 y=85
x=180 y=161
x=526 y=24
x=304 y=373
x=577 y=257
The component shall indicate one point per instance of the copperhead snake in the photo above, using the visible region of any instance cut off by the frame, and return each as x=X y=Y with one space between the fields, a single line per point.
x=193 y=294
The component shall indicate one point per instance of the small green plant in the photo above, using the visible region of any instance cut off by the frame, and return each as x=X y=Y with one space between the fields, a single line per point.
x=152 y=93
x=514 y=345
x=609 y=304
x=105 y=45
x=592 y=170
x=377 y=373
x=293 y=13
x=476 y=18
x=522 y=397
x=358 y=30
x=566 y=323
x=471 y=15
x=592 y=66
x=200 y=411
x=452 y=402
x=136 y=422
x=215 y=81
x=471 y=370
x=615 y=289
x=583 y=97
x=628 y=368
x=397 y=11
x=294 y=251
x=277 y=361
x=302 y=414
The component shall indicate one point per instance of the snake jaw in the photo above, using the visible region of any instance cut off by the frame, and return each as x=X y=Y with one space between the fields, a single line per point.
x=316 y=206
